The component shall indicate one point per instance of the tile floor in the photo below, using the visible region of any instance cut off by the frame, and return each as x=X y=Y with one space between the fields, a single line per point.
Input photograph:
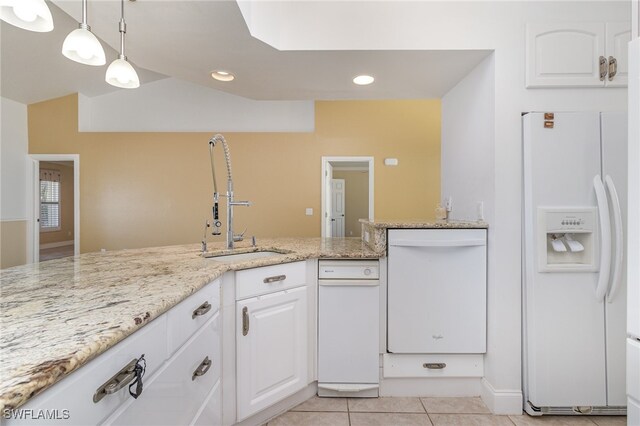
x=419 y=411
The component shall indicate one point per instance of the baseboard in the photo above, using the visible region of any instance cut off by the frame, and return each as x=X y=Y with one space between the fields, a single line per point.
x=433 y=387
x=58 y=244
x=501 y=401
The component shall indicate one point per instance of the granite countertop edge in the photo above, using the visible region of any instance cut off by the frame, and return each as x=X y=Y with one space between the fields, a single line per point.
x=43 y=341
x=425 y=224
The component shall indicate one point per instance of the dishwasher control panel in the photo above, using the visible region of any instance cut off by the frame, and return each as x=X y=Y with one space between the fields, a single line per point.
x=349 y=269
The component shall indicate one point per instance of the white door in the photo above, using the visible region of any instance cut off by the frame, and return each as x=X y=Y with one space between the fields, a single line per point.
x=618 y=36
x=614 y=165
x=564 y=54
x=271 y=342
x=437 y=291
x=565 y=323
x=328 y=176
x=348 y=336
x=337 y=207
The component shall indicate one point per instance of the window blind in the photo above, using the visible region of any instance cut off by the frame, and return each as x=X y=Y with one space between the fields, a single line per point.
x=49 y=200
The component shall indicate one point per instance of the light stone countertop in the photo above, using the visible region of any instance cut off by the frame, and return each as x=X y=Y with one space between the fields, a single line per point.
x=428 y=224
x=56 y=316
x=375 y=231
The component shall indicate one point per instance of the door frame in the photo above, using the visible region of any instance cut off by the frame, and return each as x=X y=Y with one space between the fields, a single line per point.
x=325 y=174
x=33 y=249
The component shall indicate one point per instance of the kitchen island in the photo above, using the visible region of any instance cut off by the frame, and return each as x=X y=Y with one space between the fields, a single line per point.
x=58 y=315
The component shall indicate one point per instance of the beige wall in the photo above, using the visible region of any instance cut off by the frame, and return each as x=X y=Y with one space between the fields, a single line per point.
x=150 y=189
x=13 y=238
x=66 y=203
x=356 y=200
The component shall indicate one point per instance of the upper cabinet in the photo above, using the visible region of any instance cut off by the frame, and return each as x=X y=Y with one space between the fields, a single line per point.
x=587 y=54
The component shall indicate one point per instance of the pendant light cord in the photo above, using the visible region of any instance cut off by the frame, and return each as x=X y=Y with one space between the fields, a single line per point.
x=123 y=30
x=83 y=24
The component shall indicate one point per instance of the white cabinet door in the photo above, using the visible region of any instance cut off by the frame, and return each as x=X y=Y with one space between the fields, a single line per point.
x=271 y=344
x=618 y=36
x=564 y=54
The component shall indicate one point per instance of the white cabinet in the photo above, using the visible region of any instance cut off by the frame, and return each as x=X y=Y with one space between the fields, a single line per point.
x=176 y=393
x=585 y=54
x=271 y=348
x=171 y=394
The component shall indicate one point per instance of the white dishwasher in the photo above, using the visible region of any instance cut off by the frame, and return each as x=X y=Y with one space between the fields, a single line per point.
x=437 y=291
x=348 y=328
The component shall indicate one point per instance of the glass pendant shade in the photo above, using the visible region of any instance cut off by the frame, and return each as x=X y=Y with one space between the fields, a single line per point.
x=32 y=15
x=82 y=46
x=121 y=74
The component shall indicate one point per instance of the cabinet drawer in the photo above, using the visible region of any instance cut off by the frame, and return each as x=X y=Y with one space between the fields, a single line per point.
x=75 y=392
x=254 y=282
x=432 y=365
x=174 y=395
x=191 y=314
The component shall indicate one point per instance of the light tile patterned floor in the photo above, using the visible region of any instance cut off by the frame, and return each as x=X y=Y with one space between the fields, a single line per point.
x=419 y=412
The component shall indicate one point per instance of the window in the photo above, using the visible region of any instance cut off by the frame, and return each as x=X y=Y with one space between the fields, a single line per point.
x=49 y=200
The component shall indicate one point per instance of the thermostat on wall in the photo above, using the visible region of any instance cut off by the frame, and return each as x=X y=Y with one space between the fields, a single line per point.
x=390 y=161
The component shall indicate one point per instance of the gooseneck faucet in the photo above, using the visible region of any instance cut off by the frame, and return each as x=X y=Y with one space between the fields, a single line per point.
x=217 y=225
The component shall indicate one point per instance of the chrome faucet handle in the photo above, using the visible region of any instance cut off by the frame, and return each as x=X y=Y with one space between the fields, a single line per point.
x=240 y=236
x=253 y=241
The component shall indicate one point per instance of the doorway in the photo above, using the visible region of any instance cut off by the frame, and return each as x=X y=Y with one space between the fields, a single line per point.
x=55 y=212
x=347 y=195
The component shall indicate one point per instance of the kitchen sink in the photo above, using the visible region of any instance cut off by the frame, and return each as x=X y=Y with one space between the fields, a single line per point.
x=241 y=257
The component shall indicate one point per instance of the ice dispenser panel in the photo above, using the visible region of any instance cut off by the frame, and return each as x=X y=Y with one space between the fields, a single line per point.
x=567 y=239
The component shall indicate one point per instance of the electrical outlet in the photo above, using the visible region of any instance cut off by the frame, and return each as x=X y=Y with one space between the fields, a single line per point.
x=309 y=211
x=480 y=210
x=448 y=205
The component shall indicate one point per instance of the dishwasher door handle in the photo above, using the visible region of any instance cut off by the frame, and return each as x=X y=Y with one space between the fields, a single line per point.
x=442 y=243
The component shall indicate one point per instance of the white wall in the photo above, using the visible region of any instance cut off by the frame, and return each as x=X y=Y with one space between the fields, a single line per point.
x=14 y=146
x=497 y=25
x=172 y=105
x=467 y=152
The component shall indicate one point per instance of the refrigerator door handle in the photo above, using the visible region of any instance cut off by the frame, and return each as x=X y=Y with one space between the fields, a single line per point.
x=605 y=238
x=619 y=247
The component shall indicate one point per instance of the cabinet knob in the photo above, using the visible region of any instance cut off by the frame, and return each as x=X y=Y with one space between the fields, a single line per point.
x=603 y=67
x=201 y=310
x=274 y=279
x=202 y=368
x=245 y=321
x=613 y=67
x=434 y=365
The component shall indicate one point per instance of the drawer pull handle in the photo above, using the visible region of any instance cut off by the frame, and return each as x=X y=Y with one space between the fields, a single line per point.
x=613 y=67
x=434 y=365
x=202 y=368
x=201 y=310
x=245 y=321
x=133 y=370
x=274 y=279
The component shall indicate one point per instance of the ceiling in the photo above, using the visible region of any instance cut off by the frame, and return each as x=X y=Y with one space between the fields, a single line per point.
x=188 y=39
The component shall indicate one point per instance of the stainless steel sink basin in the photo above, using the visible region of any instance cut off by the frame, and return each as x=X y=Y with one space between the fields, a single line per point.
x=241 y=257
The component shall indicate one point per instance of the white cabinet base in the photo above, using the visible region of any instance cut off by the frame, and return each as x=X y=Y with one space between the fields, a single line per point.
x=432 y=365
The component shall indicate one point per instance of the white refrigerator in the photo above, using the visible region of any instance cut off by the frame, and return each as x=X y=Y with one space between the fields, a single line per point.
x=633 y=271
x=574 y=263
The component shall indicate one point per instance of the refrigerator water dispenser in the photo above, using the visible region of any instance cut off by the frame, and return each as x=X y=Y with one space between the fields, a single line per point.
x=567 y=239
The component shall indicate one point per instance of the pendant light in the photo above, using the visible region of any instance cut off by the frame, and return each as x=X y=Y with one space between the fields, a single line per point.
x=82 y=46
x=120 y=73
x=32 y=15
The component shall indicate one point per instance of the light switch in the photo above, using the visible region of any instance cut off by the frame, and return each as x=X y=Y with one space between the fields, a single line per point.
x=309 y=211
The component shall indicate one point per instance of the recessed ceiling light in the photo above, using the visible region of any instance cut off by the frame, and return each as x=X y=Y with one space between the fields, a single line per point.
x=222 y=75
x=363 y=80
